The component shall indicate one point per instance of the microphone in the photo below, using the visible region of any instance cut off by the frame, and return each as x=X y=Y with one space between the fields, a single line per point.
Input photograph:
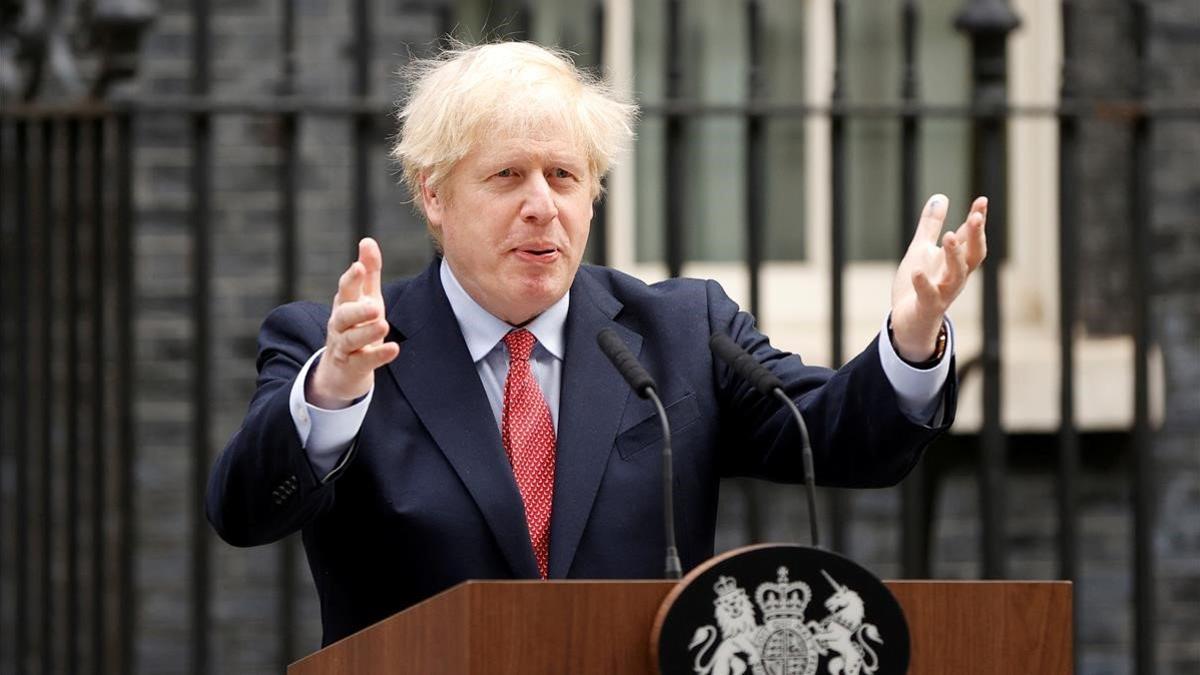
x=640 y=381
x=769 y=385
x=625 y=362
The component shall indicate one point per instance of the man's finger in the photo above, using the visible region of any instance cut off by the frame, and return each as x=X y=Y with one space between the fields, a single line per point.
x=372 y=259
x=956 y=264
x=973 y=233
x=375 y=356
x=350 y=284
x=981 y=205
x=358 y=337
x=349 y=314
x=929 y=228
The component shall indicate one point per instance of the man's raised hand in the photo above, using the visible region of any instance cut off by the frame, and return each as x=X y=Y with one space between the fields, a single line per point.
x=354 y=345
x=931 y=277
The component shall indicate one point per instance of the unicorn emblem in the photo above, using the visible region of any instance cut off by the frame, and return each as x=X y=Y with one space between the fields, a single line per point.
x=845 y=634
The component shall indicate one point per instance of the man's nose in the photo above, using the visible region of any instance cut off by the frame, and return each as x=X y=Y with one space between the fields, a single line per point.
x=539 y=205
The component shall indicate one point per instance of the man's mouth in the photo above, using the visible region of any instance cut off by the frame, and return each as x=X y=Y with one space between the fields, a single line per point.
x=538 y=253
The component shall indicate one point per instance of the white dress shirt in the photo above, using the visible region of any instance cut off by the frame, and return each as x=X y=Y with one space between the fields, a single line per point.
x=327 y=434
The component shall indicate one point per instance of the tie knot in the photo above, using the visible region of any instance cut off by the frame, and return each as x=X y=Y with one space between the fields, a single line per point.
x=520 y=344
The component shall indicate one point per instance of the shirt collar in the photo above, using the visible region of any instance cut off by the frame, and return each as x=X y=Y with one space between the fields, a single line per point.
x=482 y=331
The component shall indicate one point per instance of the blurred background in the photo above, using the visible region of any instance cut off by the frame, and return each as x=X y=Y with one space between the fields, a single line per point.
x=171 y=171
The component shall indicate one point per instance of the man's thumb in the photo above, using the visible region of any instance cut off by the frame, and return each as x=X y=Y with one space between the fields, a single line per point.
x=372 y=259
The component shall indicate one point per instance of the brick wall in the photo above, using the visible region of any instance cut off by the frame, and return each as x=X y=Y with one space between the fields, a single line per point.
x=1175 y=237
x=246 y=267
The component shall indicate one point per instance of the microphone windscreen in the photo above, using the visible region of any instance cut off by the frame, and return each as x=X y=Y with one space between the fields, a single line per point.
x=624 y=361
x=743 y=364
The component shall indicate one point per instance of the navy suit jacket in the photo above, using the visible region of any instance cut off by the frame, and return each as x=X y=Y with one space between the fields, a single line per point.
x=425 y=497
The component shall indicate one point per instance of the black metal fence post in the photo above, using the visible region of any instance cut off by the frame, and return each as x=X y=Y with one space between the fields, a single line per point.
x=289 y=161
x=599 y=231
x=522 y=21
x=6 y=383
x=1141 y=222
x=201 y=227
x=914 y=516
x=74 y=260
x=99 y=398
x=5 y=386
x=24 y=378
x=756 y=216
x=988 y=23
x=756 y=174
x=46 y=351
x=839 y=503
x=675 y=180
x=126 y=438
x=1068 y=219
x=364 y=123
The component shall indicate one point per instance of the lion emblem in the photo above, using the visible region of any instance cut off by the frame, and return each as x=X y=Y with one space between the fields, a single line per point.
x=738 y=650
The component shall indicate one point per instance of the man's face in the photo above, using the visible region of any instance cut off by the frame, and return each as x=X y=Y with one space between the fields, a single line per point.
x=514 y=215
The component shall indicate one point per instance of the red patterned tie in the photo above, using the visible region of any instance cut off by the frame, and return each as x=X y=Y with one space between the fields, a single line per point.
x=528 y=434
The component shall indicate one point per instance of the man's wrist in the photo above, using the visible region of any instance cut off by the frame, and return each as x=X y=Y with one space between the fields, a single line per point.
x=937 y=352
x=313 y=394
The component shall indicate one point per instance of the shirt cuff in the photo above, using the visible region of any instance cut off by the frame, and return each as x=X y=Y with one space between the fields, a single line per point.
x=324 y=434
x=918 y=391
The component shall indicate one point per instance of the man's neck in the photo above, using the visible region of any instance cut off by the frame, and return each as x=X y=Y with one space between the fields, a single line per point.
x=482 y=329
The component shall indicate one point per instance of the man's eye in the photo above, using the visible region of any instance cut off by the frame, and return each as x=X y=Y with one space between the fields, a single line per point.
x=504 y=173
x=562 y=173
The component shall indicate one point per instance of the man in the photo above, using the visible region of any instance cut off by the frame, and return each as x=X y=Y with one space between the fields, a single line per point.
x=463 y=423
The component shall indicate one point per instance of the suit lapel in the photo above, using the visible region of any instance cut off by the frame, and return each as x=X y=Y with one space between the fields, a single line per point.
x=593 y=398
x=435 y=372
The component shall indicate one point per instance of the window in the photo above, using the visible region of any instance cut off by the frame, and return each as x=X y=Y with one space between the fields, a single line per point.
x=714 y=50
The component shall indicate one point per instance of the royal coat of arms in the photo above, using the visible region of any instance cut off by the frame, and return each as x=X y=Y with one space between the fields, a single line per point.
x=786 y=642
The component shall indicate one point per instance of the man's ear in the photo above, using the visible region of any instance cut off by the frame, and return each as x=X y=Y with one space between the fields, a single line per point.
x=432 y=200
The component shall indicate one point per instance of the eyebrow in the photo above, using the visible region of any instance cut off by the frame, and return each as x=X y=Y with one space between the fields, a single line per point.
x=506 y=159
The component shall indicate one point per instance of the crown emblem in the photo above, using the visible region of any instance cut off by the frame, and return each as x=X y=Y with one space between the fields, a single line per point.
x=725 y=586
x=783 y=599
x=730 y=594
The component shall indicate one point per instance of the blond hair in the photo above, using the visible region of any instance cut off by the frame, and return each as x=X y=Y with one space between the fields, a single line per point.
x=466 y=94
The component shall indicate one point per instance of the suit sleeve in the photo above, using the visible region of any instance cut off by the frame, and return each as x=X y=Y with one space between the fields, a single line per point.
x=859 y=436
x=262 y=486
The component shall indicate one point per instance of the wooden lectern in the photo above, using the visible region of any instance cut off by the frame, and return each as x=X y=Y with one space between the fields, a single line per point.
x=586 y=627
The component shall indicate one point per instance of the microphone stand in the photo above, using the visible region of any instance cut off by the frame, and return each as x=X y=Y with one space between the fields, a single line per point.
x=674 y=567
x=640 y=381
x=810 y=483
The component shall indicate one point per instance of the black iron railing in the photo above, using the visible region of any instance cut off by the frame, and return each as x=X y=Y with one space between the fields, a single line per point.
x=67 y=261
